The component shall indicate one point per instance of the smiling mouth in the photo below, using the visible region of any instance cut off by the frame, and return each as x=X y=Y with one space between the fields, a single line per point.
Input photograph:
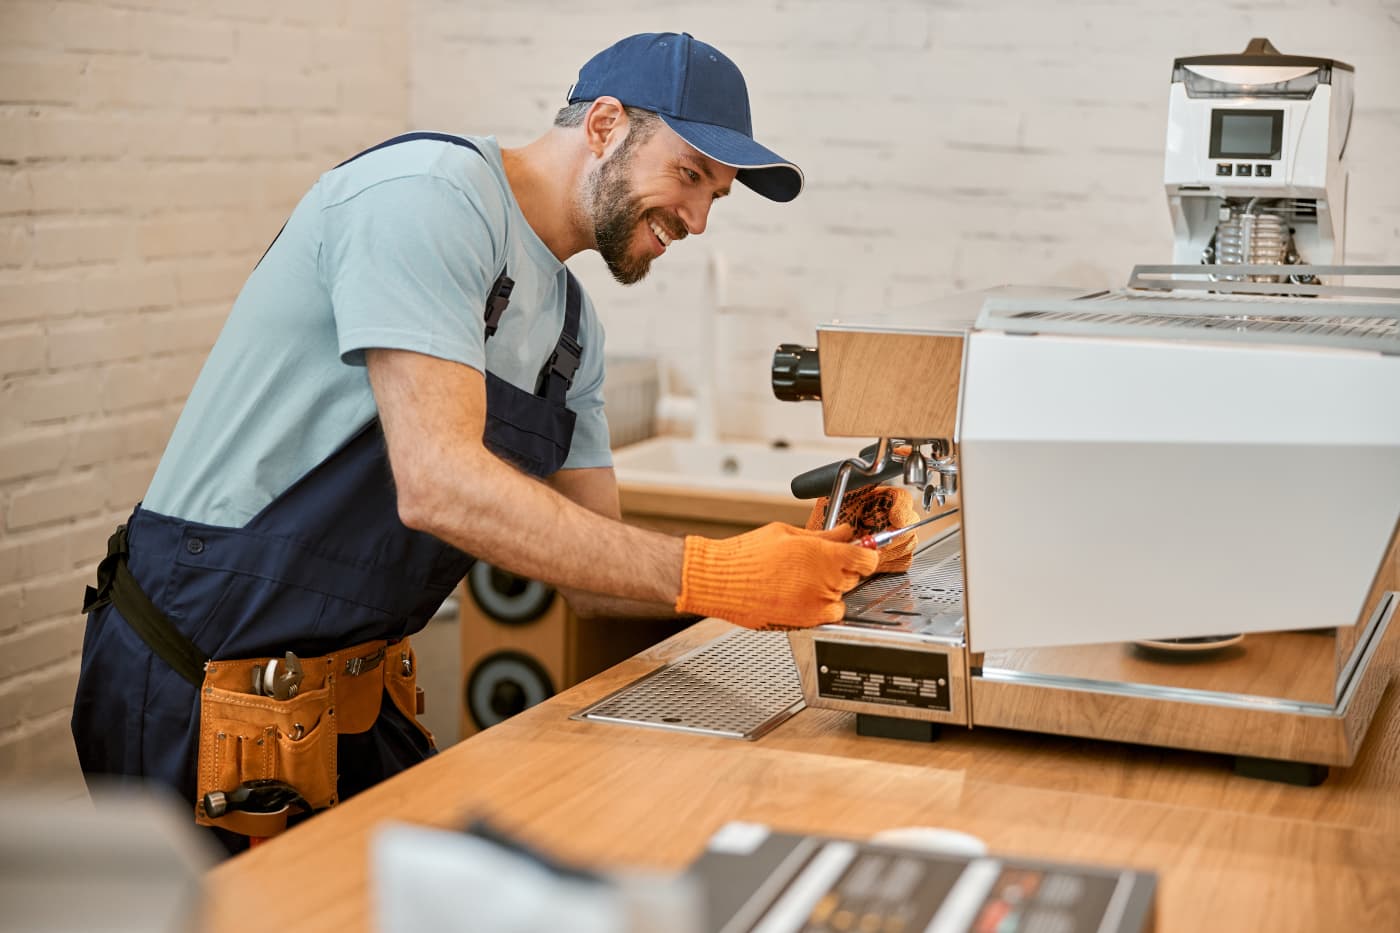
x=661 y=234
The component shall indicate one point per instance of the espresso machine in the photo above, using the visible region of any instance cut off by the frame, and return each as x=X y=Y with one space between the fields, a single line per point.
x=1177 y=501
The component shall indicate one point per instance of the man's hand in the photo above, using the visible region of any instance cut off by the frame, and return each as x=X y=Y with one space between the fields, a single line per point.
x=874 y=509
x=777 y=576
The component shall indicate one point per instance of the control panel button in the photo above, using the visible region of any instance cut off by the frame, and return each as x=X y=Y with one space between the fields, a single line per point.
x=1263 y=171
x=1243 y=169
x=1223 y=168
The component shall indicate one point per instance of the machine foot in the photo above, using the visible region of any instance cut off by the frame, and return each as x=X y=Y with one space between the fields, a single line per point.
x=888 y=727
x=1284 y=772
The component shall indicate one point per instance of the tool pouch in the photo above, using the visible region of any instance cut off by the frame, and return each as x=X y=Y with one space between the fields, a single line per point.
x=401 y=683
x=365 y=673
x=245 y=737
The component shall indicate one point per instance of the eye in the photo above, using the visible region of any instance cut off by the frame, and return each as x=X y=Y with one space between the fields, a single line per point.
x=691 y=175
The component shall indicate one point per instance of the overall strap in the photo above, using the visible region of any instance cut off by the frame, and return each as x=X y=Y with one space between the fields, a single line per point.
x=557 y=374
x=411 y=137
x=404 y=138
x=499 y=295
x=116 y=585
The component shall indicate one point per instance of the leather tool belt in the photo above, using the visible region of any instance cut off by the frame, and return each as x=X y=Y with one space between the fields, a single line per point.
x=247 y=740
x=254 y=746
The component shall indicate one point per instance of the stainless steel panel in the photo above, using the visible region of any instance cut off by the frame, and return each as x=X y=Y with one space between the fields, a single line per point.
x=926 y=601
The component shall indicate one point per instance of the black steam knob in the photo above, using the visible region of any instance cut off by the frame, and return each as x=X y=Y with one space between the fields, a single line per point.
x=797 y=373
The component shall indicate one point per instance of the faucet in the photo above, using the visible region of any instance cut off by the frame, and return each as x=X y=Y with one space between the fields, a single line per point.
x=707 y=353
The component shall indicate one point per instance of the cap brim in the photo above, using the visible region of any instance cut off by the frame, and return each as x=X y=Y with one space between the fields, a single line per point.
x=759 y=167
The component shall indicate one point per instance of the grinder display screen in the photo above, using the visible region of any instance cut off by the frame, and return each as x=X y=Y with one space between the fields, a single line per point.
x=1246 y=134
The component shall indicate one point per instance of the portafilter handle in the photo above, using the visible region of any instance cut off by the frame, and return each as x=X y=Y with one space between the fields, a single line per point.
x=817 y=482
x=877 y=464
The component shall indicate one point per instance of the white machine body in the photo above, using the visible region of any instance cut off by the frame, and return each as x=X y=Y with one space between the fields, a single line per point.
x=1111 y=482
x=1256 y=166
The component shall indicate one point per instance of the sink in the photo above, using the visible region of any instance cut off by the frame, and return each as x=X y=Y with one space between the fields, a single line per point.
x=732 y=465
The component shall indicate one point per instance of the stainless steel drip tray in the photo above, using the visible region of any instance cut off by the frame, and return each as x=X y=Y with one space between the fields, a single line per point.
x=740 y=685
x=926 y=601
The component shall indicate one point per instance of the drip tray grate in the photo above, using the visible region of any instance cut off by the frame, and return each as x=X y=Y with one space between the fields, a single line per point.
x=738 y=686
x=927 y=600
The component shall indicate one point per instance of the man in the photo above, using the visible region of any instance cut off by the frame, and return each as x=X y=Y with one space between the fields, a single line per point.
x=252 y=616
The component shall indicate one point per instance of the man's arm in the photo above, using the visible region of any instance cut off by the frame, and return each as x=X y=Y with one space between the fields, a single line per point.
x=596 y=490
x=433 y=413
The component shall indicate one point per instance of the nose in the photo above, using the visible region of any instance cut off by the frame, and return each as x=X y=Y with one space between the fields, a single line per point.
x=695 y=213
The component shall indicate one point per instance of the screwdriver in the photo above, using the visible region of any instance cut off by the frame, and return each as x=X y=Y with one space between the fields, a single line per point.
x=879 y=540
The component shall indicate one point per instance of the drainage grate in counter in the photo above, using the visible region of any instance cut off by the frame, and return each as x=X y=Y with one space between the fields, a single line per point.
x=738 y=686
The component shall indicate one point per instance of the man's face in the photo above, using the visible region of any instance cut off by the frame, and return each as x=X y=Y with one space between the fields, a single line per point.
x=647 y=195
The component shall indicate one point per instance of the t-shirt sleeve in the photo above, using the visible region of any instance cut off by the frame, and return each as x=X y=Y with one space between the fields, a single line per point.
x=590 y=446
x=408 y=262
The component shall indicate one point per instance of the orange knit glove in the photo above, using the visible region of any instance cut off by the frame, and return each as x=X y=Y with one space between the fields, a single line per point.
x=873 y=509
x=777 y=576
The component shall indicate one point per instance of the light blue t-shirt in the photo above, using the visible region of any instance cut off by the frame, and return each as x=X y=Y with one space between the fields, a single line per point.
x=394 y=250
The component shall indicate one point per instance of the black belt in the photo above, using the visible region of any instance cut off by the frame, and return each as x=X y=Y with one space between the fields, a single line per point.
x=117 y=586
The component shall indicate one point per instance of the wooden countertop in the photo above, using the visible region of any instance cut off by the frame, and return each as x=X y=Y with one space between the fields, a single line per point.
x=1231 y=853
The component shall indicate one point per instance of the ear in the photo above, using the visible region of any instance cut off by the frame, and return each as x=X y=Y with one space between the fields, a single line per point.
x=604 y=124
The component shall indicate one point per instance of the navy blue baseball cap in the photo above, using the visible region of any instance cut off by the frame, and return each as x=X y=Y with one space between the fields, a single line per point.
x=700 y=94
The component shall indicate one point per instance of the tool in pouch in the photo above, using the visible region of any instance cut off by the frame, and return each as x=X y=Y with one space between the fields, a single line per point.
x=879 y=540
x=279 y=680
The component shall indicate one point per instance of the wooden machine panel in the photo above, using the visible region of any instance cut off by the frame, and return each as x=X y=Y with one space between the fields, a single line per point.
x=883 y=384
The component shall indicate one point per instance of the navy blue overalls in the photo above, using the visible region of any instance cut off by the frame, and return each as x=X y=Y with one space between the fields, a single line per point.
x=325 y=566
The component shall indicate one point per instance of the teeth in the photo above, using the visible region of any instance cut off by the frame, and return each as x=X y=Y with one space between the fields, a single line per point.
x=660 y=234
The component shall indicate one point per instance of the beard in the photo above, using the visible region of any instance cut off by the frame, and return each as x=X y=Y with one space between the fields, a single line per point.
x=616 y=211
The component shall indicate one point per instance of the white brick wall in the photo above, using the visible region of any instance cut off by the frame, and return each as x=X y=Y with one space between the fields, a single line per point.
x=149 y=150
x=948 y=146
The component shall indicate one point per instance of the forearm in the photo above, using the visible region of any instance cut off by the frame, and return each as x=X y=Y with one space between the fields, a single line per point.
x=503 y=517
x=596 y=490
x=449 y=485
x=588 y=605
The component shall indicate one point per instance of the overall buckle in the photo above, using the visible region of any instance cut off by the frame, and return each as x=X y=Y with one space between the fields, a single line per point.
x=564 y=361
x=496 y=302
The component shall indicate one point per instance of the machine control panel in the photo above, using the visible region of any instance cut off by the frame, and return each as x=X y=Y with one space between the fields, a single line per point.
x=1260 y=170
x=889 y=676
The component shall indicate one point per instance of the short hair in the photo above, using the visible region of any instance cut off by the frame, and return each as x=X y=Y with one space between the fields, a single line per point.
x=642 y=122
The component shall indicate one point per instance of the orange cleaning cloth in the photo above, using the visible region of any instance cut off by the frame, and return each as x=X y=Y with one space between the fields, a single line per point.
x=874 y=509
